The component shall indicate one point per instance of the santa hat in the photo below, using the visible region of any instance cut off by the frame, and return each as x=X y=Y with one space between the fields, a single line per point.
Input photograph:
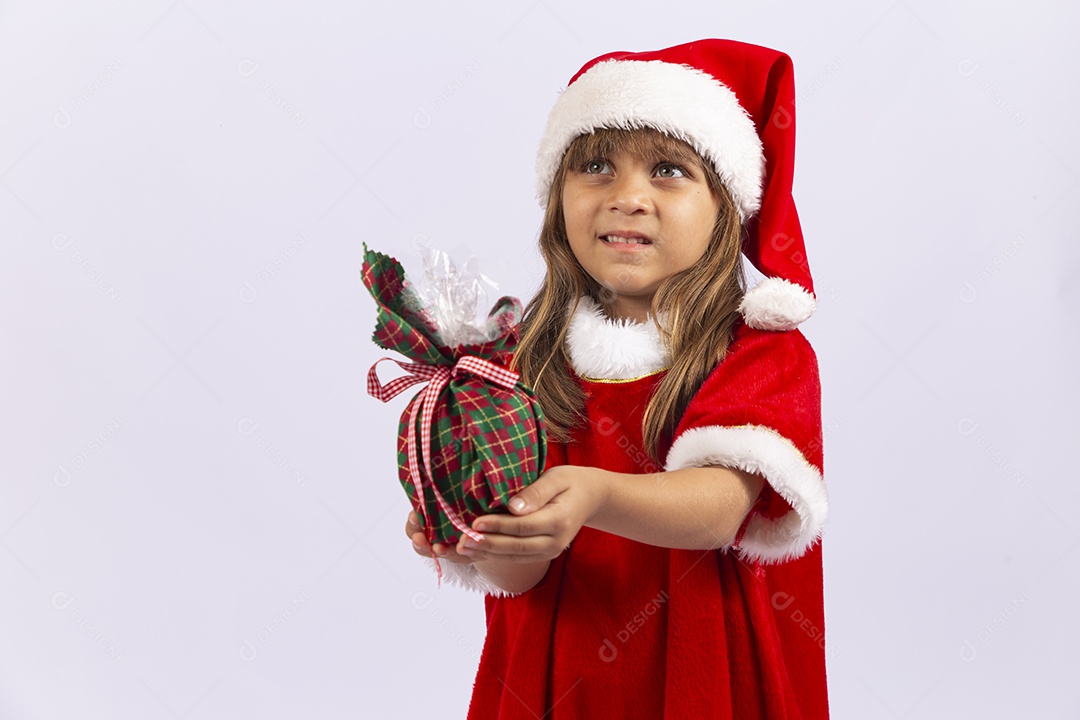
x=735 y=104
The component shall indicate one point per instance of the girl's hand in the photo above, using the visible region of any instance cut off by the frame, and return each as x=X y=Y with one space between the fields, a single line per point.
x=421 y=546
x=556 y=507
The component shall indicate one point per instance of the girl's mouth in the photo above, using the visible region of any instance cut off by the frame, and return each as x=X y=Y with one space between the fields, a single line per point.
x=620 y=240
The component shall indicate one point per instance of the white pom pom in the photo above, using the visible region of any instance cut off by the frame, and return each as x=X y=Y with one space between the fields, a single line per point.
x=776 y=304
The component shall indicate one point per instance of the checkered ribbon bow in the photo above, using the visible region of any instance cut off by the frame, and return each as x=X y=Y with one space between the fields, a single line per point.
x=437 y=377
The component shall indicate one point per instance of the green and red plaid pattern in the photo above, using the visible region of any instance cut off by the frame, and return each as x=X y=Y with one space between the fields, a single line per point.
x=475 y=435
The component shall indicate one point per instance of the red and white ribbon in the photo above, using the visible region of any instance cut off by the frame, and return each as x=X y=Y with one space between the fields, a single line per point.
x=436 y=376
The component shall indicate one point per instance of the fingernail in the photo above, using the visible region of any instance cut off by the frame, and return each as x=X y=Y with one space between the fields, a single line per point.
x=517 y=504
x=467 y=551
x=481 y=527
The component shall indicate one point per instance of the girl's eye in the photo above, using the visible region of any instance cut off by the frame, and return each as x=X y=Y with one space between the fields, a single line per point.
x=670 y=170
x=595 y=167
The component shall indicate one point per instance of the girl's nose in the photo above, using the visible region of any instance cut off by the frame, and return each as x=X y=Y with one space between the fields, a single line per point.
x=630 y=193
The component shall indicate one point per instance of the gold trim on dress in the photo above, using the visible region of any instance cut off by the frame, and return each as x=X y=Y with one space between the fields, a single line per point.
x=622 y=380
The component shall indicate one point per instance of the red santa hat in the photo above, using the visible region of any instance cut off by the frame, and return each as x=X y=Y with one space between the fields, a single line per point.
x=735 y=104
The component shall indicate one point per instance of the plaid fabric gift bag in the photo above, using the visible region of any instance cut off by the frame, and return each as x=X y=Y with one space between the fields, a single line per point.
x=474 y=436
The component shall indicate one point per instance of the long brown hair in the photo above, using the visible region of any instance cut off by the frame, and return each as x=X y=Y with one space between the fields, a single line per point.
x=701 y=302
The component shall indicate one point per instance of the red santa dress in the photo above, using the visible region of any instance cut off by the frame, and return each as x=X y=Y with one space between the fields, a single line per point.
x=622 y=629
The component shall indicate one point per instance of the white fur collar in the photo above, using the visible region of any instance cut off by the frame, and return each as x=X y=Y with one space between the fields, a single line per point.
x=603 y=348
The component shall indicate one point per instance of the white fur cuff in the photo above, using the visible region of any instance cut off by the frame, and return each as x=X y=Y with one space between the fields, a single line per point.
x=761 y=450
x=467 y=577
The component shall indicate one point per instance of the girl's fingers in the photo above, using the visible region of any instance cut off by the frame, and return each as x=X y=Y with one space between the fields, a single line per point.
x=450 y=554
x=420 y=544
x=422 y=547
x=443 y=550
x=537 y=547
x=541 y=523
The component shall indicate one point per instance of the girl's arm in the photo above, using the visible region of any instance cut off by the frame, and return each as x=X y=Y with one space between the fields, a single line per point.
x=695 y=508
x=692 y=508
x=757 y=417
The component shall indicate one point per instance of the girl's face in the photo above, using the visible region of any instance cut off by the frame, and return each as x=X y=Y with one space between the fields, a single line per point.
x=634 y=221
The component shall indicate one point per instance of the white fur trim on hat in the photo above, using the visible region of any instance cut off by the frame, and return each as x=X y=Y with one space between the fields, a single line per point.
x=776 y=304
x=603 y=348
x=762 y=450
x=679 y=100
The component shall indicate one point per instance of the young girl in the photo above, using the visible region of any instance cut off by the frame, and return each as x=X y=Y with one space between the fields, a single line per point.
x=667 y=564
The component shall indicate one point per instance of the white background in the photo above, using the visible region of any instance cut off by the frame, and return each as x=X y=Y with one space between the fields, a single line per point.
x=199 y=512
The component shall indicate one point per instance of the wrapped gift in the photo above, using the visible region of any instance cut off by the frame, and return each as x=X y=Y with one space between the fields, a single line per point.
x=473 y=437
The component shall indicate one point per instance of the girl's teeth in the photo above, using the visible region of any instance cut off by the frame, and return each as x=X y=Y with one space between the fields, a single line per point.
x=615 y=238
